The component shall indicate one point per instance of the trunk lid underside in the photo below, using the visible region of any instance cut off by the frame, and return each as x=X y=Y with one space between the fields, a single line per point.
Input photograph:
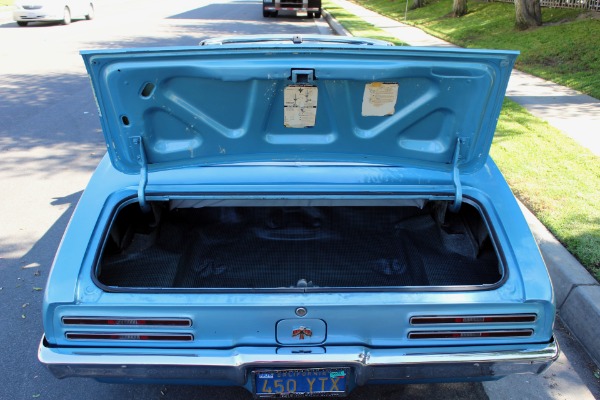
x=337 y=103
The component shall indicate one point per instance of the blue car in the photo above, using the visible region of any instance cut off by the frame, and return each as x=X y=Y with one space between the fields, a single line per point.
x=298 y=217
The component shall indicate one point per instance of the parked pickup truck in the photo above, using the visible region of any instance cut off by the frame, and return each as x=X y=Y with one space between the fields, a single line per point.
x=312 y=8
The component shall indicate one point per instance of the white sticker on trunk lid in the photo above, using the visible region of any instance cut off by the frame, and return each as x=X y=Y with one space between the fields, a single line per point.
x=300 y=106
x=379 y=99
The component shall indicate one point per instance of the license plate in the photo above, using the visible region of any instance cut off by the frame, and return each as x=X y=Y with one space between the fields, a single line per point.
x=301 y=382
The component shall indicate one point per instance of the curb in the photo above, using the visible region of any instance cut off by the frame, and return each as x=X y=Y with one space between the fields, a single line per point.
x=576 y=292
x=337 y=28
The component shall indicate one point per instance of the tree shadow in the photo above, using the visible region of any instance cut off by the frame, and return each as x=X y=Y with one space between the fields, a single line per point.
x=48 y=123
x=41 y=253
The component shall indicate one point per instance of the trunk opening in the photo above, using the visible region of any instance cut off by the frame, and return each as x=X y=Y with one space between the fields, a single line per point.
x=235 y=244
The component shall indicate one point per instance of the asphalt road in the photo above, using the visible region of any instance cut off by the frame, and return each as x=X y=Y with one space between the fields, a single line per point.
x=50 y=142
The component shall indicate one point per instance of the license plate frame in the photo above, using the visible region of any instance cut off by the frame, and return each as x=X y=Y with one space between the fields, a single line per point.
x=301 y=382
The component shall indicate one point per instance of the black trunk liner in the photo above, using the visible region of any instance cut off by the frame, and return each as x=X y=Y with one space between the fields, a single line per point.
x=291 y=248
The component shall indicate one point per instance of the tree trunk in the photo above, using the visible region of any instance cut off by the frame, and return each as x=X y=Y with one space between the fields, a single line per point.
x=528 y=14
x=459 y=8
x=417 y=4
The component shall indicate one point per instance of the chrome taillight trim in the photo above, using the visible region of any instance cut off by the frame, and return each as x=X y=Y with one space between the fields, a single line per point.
x=473 y=319
x=130 y=336
x=134 y=321
x=480 y=334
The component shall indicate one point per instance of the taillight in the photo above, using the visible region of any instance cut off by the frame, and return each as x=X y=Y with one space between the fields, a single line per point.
x=473 y=319
x=100 y=321
x=129 y=336
x=470 y=334
x=143 y=324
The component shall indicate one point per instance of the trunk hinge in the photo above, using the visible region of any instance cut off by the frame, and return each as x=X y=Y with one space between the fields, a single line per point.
x=140 y=155
x=461 y=146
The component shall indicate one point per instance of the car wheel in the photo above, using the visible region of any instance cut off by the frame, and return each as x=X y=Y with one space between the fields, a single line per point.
x=90 y=14
x=310 y=14
x=274 y=13
x=22 y=23
x=66 y=16
x=266 y=14
x=318 y=14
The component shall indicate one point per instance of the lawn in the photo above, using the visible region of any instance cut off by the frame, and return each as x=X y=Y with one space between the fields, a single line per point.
x=555 y=177
x=564 y=50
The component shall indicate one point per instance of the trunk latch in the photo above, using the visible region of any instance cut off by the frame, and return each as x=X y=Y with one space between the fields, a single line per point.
x=303 y=76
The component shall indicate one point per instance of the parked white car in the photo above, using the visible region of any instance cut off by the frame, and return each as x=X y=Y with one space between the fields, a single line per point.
x=52 y=10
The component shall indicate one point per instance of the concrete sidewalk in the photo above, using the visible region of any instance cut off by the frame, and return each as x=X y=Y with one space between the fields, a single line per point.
x=577 y=292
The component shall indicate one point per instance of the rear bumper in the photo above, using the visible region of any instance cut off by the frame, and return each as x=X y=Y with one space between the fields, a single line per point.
x=234 y=366
x=37 y=15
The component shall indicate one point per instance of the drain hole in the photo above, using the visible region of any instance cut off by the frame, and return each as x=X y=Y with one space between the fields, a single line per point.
x=148 y=89
x=125 y=120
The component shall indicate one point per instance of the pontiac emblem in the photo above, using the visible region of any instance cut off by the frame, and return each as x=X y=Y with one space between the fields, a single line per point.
x=302 y=332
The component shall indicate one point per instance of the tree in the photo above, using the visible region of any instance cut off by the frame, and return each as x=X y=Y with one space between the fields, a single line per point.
x=528 y=14
x=417 y=4
x=459 y=8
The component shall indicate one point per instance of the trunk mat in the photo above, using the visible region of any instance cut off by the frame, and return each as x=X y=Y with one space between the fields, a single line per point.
x=292 y=250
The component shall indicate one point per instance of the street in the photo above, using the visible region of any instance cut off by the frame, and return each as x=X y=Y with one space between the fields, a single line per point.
x=50 y=142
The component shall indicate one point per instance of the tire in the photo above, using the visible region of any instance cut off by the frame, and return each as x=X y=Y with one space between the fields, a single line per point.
x=22 y=23
x=274 y=14
x=266 y=14
x=310 y=14
x=91 y=13
x=66 y=16
x=318 y=14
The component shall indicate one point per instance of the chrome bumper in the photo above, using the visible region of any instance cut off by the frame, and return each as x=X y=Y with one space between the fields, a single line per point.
x=36 y=16
x=299 y=9
x=233 y=366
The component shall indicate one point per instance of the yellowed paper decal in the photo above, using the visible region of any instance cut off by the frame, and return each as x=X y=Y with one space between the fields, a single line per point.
x=300 y=106
x=379 y=99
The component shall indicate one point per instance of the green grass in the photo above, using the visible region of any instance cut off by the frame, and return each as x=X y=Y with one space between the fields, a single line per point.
x=563 y=50
x=4 y=3
x=555 y=177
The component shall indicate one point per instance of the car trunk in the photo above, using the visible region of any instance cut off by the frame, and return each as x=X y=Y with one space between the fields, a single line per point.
x=298 y=245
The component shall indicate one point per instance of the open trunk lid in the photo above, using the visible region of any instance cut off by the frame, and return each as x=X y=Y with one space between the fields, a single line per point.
x=311 y=102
